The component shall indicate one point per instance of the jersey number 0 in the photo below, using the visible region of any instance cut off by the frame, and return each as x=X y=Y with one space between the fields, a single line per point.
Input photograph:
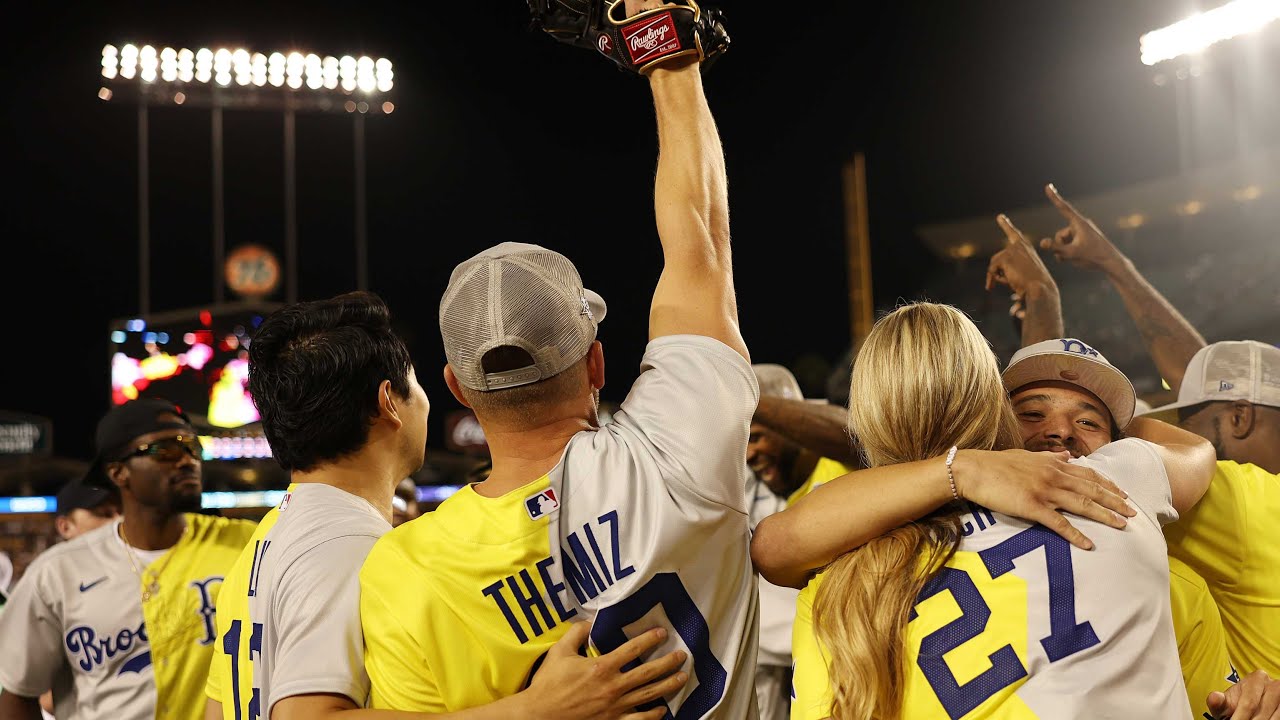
x=667 y=592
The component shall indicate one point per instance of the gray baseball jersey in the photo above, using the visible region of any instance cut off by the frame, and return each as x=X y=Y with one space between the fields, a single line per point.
x=106 y=648
x=290 y=607
x=649 y=522
x=74 y=625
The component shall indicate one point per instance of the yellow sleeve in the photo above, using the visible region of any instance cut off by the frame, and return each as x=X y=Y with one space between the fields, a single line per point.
x=1202 y=642
x=1206 y=537
x=399 y=676
x=213 y=684
x=824 y=472
x=811 y=687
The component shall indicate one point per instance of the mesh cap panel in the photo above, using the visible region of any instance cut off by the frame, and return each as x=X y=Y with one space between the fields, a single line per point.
x=1230 y=370
x=520 y=295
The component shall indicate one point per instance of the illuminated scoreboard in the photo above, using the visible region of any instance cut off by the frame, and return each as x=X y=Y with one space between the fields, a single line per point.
x=198 y=359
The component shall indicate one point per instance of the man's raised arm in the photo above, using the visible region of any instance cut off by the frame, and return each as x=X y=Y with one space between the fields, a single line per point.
x=695 y=293
x=1170 y=339
x=1037 y=303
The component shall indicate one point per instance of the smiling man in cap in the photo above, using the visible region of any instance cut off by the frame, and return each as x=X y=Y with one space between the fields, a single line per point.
x=118 y=622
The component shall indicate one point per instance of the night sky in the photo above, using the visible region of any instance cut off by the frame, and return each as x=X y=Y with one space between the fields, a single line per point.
x=962 y=108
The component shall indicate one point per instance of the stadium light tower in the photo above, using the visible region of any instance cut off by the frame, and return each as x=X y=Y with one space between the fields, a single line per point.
x=1201 y=30
x=240 y=80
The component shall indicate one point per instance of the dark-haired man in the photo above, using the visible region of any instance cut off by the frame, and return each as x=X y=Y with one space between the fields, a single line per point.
x=118 y=622
x=345 y=416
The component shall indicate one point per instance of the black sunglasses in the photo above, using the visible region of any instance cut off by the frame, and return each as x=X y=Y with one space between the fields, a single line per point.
x=170 y=449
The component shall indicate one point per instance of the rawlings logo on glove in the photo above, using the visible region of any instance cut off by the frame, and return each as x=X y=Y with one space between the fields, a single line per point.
x=640 y=42
x=651 y=38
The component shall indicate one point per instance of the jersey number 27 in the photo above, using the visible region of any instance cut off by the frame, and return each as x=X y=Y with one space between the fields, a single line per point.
x=1066 y=637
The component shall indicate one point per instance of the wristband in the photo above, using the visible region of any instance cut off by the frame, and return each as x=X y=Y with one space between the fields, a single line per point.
x=951 y=457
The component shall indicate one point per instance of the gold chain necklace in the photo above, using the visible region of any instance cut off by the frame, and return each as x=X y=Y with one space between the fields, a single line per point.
x=152 y=589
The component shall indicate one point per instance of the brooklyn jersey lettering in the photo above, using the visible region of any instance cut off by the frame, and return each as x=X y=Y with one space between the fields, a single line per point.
x=87 y=636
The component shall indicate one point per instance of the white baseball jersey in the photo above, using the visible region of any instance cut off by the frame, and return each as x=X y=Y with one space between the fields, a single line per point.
x=651 y=525
x=289 y=617
x=76 y=623
x=1021 y=624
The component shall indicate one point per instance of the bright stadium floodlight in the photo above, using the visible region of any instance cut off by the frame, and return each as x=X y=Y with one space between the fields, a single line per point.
x=237 y=74
x=218 y=79
x=110 y=62
x=1204 y=29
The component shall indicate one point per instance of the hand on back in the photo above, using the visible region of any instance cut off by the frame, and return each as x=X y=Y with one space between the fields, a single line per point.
x=1040 y=486
x=571 y=687
x=1256 y=697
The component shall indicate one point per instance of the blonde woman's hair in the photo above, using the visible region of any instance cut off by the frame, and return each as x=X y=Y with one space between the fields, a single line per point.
x=925 y=379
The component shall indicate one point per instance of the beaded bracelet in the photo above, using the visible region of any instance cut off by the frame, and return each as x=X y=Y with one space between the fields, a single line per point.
x=951 y=457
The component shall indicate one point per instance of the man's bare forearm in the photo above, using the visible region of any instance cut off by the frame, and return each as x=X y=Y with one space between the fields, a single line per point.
x=1189 y=459
x=820 y=429
x=691 y=187
x=1043 y=319
x=1170 y=339
x=695 y=294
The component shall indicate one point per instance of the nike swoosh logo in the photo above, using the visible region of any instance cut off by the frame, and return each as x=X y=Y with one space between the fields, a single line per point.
x=90 y=586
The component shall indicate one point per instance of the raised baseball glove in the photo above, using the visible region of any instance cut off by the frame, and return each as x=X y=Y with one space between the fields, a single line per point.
x=677 y=29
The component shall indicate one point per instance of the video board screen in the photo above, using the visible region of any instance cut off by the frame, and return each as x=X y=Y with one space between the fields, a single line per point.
x=198 y=359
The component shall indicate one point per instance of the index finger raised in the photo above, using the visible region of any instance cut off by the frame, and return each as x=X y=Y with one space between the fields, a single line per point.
x=1011 y=232
x=1067 y=210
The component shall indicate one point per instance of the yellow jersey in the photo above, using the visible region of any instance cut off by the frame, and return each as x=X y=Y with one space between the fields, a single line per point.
x=180 y=624
x=824 y=472
x=1231 y=538
x=642 y=523
x=1202 y=643
x=457 y=606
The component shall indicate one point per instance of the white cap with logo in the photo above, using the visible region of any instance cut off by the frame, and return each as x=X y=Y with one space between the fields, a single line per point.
x=518 y=295
x=1228 y=371
x=1071 y=361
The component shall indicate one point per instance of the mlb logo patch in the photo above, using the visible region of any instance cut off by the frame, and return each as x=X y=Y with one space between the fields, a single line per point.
x=541 y=504
x=284 y=502
x=1224 y=386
